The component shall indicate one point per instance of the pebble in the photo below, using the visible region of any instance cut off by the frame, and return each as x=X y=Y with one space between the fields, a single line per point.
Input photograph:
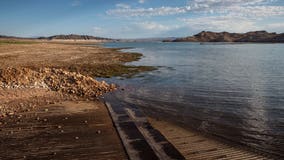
x=59 y=127
x=99 y=132
x=46 y=110
x=76 y=137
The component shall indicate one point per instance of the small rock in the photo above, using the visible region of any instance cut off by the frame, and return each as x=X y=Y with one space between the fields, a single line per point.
x=46 y=110
x=99 y=132
x=76 y=137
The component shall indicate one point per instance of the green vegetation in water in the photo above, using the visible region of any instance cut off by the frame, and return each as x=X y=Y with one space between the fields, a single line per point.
x=109 y=70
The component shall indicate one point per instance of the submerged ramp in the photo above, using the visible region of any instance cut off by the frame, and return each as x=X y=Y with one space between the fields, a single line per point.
x=140 y=139
x=195 y=146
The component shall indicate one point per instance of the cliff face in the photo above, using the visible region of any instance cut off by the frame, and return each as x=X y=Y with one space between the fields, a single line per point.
x=256 y=36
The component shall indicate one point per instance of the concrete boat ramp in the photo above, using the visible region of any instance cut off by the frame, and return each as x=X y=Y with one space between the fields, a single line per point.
x=143 y=142
x=140 y=139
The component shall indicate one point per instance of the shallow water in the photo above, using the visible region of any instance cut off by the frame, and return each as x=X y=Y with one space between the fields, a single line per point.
x=234 y=91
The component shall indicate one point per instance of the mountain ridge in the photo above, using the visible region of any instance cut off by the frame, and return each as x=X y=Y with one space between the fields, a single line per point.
x=60 y=37
x=253 y=36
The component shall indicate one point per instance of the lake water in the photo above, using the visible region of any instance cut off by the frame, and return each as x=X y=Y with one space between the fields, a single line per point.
x=233 y=91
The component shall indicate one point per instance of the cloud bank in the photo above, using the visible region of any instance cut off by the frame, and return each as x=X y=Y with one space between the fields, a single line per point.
x=215 y=15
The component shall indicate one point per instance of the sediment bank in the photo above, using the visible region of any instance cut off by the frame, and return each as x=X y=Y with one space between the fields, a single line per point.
x=49 y=105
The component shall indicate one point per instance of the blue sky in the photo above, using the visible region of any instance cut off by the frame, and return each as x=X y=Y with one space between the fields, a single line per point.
x=138 y=18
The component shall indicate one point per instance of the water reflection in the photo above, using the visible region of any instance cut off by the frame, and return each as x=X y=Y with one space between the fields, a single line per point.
x=232 y=91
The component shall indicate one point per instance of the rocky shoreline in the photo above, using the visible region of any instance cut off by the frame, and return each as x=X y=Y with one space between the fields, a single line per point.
x=23 y=89
x=39 y=73
x=49 y=100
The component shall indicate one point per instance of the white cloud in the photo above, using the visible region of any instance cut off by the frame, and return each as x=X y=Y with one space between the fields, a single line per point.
x=122 y=6
x=276 y=27
x=221 y=23
x=134 y=12
x=244 y=8
x=257 y=12
x=154 y=26
x=214 y=15
x=141 y=1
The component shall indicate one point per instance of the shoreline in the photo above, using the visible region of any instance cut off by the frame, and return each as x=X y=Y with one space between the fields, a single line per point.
x=74 y=60
x=41 y=82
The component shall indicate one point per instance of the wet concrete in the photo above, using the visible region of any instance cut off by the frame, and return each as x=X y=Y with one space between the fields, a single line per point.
x=140 y=139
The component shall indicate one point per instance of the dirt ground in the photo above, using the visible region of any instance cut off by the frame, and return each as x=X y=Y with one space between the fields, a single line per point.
x=42 y=116
x=86 y=59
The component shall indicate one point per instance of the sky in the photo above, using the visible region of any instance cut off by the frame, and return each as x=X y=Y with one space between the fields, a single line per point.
x=138 y=18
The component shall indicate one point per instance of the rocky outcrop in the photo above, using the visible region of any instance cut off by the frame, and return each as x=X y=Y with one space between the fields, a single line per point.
x=55 y=80
x=256 y=36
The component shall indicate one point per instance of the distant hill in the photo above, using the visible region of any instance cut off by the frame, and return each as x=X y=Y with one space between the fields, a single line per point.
x=256 y=36
x=61 y=37
x=73 y=37
x=11 y=37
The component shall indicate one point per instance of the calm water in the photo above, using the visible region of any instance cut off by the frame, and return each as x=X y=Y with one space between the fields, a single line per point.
x=232 y=91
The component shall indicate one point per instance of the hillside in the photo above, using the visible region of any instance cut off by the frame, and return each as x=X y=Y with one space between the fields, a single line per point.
x=73 y=37
x=60 y=37
x=256 y=36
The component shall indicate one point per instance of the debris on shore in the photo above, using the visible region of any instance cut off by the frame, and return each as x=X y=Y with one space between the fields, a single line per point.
x=55 y=80
x=23 y=89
